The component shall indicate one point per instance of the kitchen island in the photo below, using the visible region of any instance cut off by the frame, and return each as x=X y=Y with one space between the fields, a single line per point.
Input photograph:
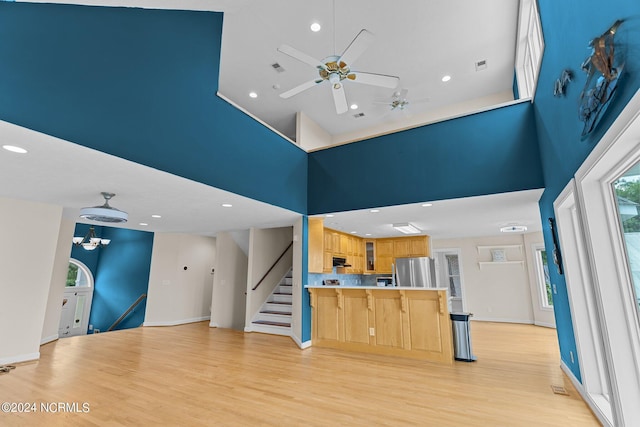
x=408 y=322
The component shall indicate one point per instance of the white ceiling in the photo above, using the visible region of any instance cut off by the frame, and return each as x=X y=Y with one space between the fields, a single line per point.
x=416 y=40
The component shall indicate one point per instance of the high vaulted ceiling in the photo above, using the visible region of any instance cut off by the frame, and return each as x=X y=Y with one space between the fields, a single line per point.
x=415 y=40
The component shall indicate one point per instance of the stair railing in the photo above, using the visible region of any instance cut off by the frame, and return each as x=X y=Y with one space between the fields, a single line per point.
x=272 y=267
x=129 y=310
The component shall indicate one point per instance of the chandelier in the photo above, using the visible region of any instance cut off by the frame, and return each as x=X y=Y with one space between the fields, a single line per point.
x=89 y=242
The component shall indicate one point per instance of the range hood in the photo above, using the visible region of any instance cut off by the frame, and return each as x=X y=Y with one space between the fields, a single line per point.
x=340 y=262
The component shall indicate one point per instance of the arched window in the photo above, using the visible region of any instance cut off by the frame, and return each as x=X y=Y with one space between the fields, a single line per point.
x=79 y=275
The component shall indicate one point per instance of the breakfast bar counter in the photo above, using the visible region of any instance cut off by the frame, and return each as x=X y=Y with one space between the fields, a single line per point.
x=408 y=322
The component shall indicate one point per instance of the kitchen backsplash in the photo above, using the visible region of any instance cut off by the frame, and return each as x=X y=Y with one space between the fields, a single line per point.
x=316 y=279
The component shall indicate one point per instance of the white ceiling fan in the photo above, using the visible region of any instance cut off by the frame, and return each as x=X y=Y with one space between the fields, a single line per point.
x=399 y=100
x=336 y=70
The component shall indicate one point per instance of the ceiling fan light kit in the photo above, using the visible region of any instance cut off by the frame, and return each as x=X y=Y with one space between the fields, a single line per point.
x=104 y=213
x=336 y=69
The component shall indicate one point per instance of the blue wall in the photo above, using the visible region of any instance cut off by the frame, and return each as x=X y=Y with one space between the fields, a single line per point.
x=121 y=274
x=490 y=152
x=128 y=82
x=568 y=26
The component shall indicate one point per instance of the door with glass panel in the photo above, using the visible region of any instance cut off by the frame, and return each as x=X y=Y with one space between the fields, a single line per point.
x=76 y=300
x=449 y=275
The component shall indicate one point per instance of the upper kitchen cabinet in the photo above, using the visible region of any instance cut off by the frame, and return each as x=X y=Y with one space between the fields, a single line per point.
x=410 y=247
x=370 y=256
x=384 y=255
x=316 y=245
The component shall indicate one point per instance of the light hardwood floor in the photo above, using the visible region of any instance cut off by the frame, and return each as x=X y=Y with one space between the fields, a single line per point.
x=192 y=375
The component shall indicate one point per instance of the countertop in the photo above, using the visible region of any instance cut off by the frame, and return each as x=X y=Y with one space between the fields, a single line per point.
x=397 y=288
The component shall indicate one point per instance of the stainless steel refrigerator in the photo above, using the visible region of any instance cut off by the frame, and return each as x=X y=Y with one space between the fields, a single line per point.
x=415 y=272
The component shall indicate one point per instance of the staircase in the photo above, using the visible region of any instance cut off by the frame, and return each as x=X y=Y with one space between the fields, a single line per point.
x=274 y=316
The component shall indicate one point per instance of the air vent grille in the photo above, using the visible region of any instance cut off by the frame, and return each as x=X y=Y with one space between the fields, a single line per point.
x=278 y=67
x=358 y=115
x=481 y=65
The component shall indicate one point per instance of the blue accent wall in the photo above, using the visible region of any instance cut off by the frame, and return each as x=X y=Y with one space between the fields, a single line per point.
x=568 y=26
x=491 y=152
x=122 y=276
x=130 y=82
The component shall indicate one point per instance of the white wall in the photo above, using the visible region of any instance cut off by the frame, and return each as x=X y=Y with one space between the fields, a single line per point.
x=58 y=282
x=496 y=292
x=541 y=316
x=309 y=135
x=265 y=246
x=28 y=244
x=228 y=302
x=176 y=295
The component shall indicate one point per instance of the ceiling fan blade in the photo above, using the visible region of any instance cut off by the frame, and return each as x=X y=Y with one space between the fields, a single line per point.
x=339 y=98
x=296 y=90
x=302 y=57
x=357 y=47
x=381 y=80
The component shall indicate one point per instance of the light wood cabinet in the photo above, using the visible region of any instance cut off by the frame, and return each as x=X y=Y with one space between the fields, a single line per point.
x=410 y=323
x=327 y=265
x=328 y=240
x=316 y=243
x=369 y=256
x=384 y=256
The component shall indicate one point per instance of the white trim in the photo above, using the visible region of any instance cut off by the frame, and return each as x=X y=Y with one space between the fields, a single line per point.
x=20 y=358
x=301 y=345
x=502 y=320
x=49 y=339
x=213 y=325
x=594 y=402
x=177 y=322
x=545 y=324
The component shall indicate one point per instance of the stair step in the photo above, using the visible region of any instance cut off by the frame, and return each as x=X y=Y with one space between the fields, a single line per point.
x=267 y=322
x=283 y=313
x=282 y=293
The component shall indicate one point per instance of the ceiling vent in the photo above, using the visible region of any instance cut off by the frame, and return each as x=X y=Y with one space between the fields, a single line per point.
x=481 y=65
x=358 y=115
x=278 y=67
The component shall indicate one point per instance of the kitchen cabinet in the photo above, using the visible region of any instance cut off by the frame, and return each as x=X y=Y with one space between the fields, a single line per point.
x=327 y=264
x=328 y=240
x=369 y=256
x=316 y=243
x=384 y=255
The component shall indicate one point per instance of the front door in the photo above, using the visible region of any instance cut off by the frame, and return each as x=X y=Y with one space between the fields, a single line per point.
x=76 y=301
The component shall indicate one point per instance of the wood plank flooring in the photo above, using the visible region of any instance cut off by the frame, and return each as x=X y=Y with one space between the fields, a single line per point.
x=193 y=375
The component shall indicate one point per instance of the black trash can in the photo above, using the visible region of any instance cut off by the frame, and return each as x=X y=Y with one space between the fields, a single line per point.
x=462 y=337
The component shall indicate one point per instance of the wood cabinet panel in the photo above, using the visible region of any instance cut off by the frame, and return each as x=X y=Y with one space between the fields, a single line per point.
x=356 y=330
x=327 y=317
x=328 y=240
x=388 y=322
x=327 y=262
x=425 y=312
x=316 y=244
x=402 y=247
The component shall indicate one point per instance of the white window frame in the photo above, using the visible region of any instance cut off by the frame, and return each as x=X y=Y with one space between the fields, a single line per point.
x=542 y=284
x=529 y=49
x=607 y=281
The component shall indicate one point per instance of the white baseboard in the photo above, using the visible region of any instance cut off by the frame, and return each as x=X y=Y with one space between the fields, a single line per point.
x=213 y=325
x=598 y=404
x=300 y=344
x=501 y=319
x=177 y=322
x=545 y=324
x=49 y=339
x=248 y=329
x=20 y=358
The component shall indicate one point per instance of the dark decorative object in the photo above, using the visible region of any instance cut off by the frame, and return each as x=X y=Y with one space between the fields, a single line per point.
x=596 y=95
x=557 y=256
x=559 y=87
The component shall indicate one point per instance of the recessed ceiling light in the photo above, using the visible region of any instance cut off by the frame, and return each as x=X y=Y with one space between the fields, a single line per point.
x=156 y=216
x=446 y=78
x=354 y=106
x=368 y=234
x=354 y=232
x=253 y=95
x=315 y=27
x=227 y=205
x=374 y=210
x=14 y=149
x=330 y=215
x=143 y=223
x=426 y=205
